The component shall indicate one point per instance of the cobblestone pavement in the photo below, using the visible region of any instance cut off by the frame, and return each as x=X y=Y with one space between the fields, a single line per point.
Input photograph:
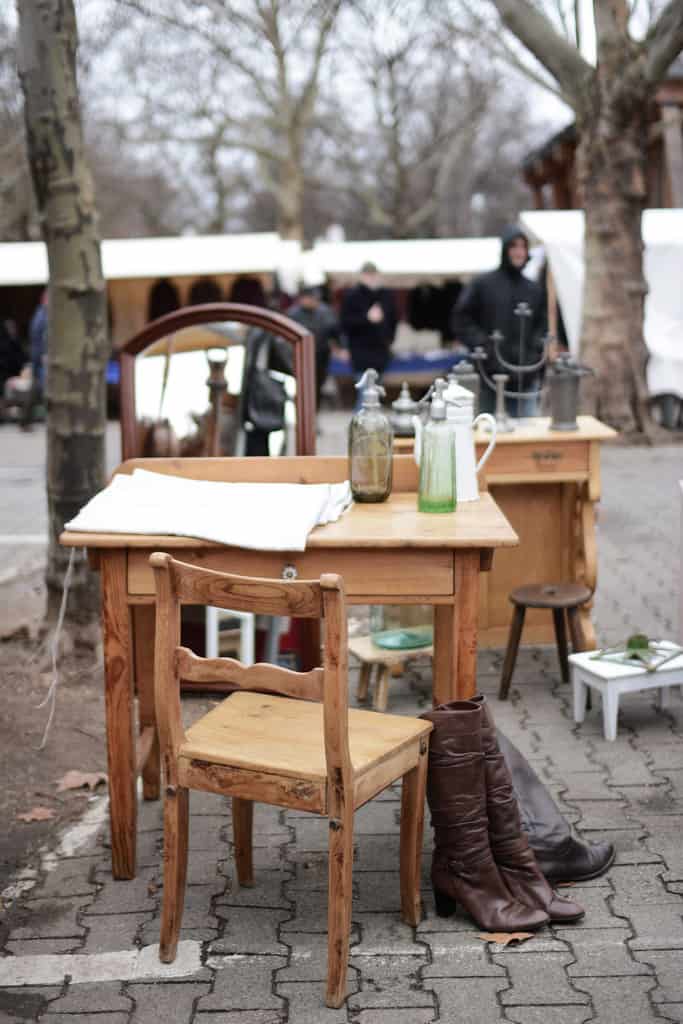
x=79 y=941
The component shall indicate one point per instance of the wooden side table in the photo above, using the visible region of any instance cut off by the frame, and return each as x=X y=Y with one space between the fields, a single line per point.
x=370 y=655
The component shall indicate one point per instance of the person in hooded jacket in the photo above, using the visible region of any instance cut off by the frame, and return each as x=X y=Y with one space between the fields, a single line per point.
x=488 y=304
x=368 y=321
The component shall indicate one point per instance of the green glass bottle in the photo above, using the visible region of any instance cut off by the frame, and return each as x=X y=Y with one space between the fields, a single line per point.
x=436 y=489
x=371 y=441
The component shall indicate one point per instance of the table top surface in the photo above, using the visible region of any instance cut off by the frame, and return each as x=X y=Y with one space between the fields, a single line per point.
x=537 y=428
x=395 y=523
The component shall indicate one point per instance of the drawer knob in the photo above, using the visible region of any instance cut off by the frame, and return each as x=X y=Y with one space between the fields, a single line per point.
x=289 y=572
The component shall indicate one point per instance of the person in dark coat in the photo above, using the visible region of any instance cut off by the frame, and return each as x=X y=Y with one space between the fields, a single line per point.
x=488 y=304
x=317 y=317
x=368 y=321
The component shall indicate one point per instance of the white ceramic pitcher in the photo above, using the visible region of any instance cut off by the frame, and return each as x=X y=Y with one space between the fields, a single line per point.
x=460 y=414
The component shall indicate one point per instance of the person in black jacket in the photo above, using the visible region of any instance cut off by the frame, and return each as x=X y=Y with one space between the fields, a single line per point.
x=491 y=302
x=368 y=321
x=317 y=317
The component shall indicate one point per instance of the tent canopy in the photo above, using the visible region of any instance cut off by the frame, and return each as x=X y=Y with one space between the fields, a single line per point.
x=25 y=263
x=561 y=234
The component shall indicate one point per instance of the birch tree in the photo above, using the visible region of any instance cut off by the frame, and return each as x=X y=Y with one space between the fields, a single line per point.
x=610 y=100
x=77 y=344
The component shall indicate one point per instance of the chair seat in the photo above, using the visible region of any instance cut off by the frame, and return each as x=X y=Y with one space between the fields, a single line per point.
x=551 y=595
x=282 y=736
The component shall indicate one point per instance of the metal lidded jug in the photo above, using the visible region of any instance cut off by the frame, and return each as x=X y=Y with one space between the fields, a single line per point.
x=402 y=412
x=564 y=377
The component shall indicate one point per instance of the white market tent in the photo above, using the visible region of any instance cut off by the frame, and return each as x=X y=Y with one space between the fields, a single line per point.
x=403 y=263
x=561 y=234
x=26 y=262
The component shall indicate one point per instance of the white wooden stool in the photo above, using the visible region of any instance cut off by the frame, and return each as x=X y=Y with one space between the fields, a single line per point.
x=369 y=654
x=611 y=680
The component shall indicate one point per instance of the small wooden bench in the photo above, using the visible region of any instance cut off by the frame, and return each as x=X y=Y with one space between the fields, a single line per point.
x=369 y=655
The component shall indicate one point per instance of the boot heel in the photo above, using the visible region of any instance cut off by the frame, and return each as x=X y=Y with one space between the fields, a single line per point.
x=445 y=904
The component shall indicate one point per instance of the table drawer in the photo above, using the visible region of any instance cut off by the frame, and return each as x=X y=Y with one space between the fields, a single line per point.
x=565 y=460
x=401 y=572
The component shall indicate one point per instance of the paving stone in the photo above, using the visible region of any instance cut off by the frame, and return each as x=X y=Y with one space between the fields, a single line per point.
x=649 y=800
x=250 y=930
x=587 y=786
x=570 y=756
x=244 y=983
x=71 y=877
x=548 y=1014
x=537 y=977
x=594 y=900
x=640 y=884
x=93 y=998
x=267 y=891
x=377 y=890
x=198 y=923
x=663 y=757
x=202 y=802
x=306 y=1003
x=388 y=981
x=241 y=1017
x=656 y=927
x=170 y=1002
x=309 y=913
x=209 y=833
x=27 y=1002
x=474 y=1000
x=625 y=1000
x=667 y=968
x=150 y=849
x=601 y=814
x=384 y=934
x=203 y=869
x=49 y=918
x=40 y=947
x=459 y=955
x=111 y=932
x=85 y=1018
x=601 y=953
x=119 y=897
x=308 y=959
x=412 y=1016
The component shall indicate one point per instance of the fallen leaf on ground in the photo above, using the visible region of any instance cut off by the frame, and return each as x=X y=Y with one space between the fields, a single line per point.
x=152 y=888
x=565 y=885
x=503 y=938
x=81 y=780
x=36 y=814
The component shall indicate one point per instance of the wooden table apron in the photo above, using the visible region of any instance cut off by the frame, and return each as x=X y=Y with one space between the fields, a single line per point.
x=387 y=554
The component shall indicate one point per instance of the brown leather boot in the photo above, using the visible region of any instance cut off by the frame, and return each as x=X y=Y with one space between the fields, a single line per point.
x=463 y=868
x=514 y=857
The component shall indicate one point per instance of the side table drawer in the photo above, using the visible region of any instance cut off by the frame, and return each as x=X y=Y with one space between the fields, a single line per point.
x=565 y=461
x=405 y=573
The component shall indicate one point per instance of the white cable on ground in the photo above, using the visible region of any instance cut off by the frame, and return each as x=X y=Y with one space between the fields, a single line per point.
x=51 y=695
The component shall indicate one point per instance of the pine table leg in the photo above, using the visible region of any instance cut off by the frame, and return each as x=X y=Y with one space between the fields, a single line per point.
x=143 y=645
x=118 y=701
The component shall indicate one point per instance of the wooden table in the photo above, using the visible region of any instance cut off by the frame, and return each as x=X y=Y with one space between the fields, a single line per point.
x=547 y=483
x=387 y=553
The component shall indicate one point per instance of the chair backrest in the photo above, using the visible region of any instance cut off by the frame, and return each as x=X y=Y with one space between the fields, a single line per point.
x=179 y=583
x=220 y=312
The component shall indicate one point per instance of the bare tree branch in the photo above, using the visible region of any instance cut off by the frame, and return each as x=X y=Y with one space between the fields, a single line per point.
x=664 y=41
x=536 y=31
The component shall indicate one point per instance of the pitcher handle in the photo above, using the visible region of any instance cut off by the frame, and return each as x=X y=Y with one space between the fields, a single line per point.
x=488 y=418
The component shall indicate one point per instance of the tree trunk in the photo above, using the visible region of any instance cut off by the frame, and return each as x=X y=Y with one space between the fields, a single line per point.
x=611 y=159
x=77 y=339
x=290 y=200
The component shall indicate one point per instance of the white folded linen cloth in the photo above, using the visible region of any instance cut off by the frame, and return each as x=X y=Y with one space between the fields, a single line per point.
x=261 y=516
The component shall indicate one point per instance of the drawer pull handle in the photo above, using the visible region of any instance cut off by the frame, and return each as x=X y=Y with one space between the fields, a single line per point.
x=289 y=572
x=548 y=457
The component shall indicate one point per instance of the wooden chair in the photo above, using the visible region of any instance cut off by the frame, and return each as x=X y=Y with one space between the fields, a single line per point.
x=284 y=738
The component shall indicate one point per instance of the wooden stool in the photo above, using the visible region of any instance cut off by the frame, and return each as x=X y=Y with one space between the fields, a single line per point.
x=369 y=655
x=558 y=597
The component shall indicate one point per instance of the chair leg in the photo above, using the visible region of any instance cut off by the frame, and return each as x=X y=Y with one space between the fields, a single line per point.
x=413 y=793
x=578 y=643
x=242 y=826
x=339 y=895
x=176 y=818
x=511 y=652
x=382 y=691
x=561 y=639
x=364 y=681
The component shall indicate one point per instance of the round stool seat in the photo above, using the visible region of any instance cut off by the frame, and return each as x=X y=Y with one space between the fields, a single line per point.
x=551 y=595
